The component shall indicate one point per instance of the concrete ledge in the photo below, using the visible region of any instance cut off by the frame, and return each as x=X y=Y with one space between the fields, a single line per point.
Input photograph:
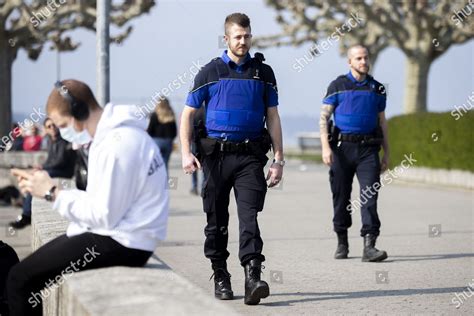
x=441 y=177
x=22 y=159
x=152 y=290
x=451 y=178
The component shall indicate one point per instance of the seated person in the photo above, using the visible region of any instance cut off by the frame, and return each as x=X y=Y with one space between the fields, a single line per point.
x=123 y=213
x=59 y=164
x=17 y=136
x=32 y=142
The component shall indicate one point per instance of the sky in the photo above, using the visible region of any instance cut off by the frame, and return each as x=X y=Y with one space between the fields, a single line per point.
x=178 y=35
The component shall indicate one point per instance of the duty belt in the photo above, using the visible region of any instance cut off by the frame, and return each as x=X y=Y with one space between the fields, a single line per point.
x=357 y=138
x=233 y=147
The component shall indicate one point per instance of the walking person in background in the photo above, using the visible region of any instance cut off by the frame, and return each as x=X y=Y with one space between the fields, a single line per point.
x=59 y=164
x=162 y=128
x=358 y=102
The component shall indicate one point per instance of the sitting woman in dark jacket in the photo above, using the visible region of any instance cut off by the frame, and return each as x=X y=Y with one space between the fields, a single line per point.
x=59 y=164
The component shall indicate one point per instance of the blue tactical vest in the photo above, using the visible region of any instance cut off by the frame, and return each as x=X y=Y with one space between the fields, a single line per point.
x=236 y=101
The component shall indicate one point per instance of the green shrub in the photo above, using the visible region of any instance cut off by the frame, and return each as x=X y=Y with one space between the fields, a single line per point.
x=436 y=140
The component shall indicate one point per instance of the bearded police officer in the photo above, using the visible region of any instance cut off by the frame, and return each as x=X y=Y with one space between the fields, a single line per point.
x=239 y=93
x=351 y=146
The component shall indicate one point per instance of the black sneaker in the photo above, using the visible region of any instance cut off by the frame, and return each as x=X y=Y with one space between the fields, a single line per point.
x=21 y=222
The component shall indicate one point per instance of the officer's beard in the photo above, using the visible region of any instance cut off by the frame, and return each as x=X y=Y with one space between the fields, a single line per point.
x=362 y=73
x=236 y=53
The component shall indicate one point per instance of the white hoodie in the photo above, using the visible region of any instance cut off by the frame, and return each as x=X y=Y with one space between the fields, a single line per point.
x=126 y=196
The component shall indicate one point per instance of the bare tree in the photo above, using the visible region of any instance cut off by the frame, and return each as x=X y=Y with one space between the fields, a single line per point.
x=422 y=29
x=30 y=25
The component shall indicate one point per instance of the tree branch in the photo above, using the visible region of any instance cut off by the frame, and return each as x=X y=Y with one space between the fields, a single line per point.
x=32 y=28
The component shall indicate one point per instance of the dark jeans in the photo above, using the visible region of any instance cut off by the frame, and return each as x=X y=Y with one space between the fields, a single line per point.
x=363 y=161
x=166 y=147
x=53 y=173
x=57 y=260
x=244 y=173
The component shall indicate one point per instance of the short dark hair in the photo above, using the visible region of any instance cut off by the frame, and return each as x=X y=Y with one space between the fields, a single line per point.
x=78 y=89
x=236 y=18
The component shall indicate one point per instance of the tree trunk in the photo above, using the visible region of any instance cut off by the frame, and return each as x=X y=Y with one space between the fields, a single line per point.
x=416 y=84
x=5 y=88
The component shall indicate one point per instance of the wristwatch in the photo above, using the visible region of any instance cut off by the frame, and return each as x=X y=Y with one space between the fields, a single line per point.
x=279 y=162
x=49 y=195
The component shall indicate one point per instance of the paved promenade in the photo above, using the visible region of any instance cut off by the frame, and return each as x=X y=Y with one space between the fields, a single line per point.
x=427 y=231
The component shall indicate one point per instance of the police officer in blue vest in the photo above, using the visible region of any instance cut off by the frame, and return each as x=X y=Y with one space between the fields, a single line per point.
x=351 y=146
x=240 y=97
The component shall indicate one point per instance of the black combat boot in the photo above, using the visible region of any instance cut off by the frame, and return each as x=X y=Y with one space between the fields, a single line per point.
x=342 y=246
x=372 y=254
x=255 y=289
x=222 y=286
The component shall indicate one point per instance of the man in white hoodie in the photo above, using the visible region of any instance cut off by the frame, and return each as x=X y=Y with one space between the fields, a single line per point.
x=121 y=216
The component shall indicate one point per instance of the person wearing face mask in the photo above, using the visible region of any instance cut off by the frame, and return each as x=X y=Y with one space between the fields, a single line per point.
x=58 y=164
x=123 y=213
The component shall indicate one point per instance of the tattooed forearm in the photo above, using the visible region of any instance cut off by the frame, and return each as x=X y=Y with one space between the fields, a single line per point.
x=326 y=112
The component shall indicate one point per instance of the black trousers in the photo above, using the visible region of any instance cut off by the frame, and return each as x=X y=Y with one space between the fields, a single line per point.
x=58 y=259
x=244 y=173
x=363 y=161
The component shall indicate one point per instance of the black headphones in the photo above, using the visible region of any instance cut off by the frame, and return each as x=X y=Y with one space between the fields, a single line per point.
x=79 y=110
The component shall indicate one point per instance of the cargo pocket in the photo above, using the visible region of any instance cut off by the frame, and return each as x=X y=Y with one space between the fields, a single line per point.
x=260 y=201
x=208 y=199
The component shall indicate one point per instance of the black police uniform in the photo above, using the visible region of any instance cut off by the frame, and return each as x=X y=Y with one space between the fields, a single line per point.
x=236 y=98
x=355 y=150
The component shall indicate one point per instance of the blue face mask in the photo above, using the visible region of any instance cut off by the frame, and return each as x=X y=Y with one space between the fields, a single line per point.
x=71 y=135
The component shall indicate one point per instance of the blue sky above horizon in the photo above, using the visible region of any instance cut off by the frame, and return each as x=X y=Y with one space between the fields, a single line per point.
x=165 y=43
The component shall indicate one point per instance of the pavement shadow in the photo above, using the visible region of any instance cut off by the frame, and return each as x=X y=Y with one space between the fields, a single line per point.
x=430 y=257
x=156 y=263
x=392 y=258
x=323 y=296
